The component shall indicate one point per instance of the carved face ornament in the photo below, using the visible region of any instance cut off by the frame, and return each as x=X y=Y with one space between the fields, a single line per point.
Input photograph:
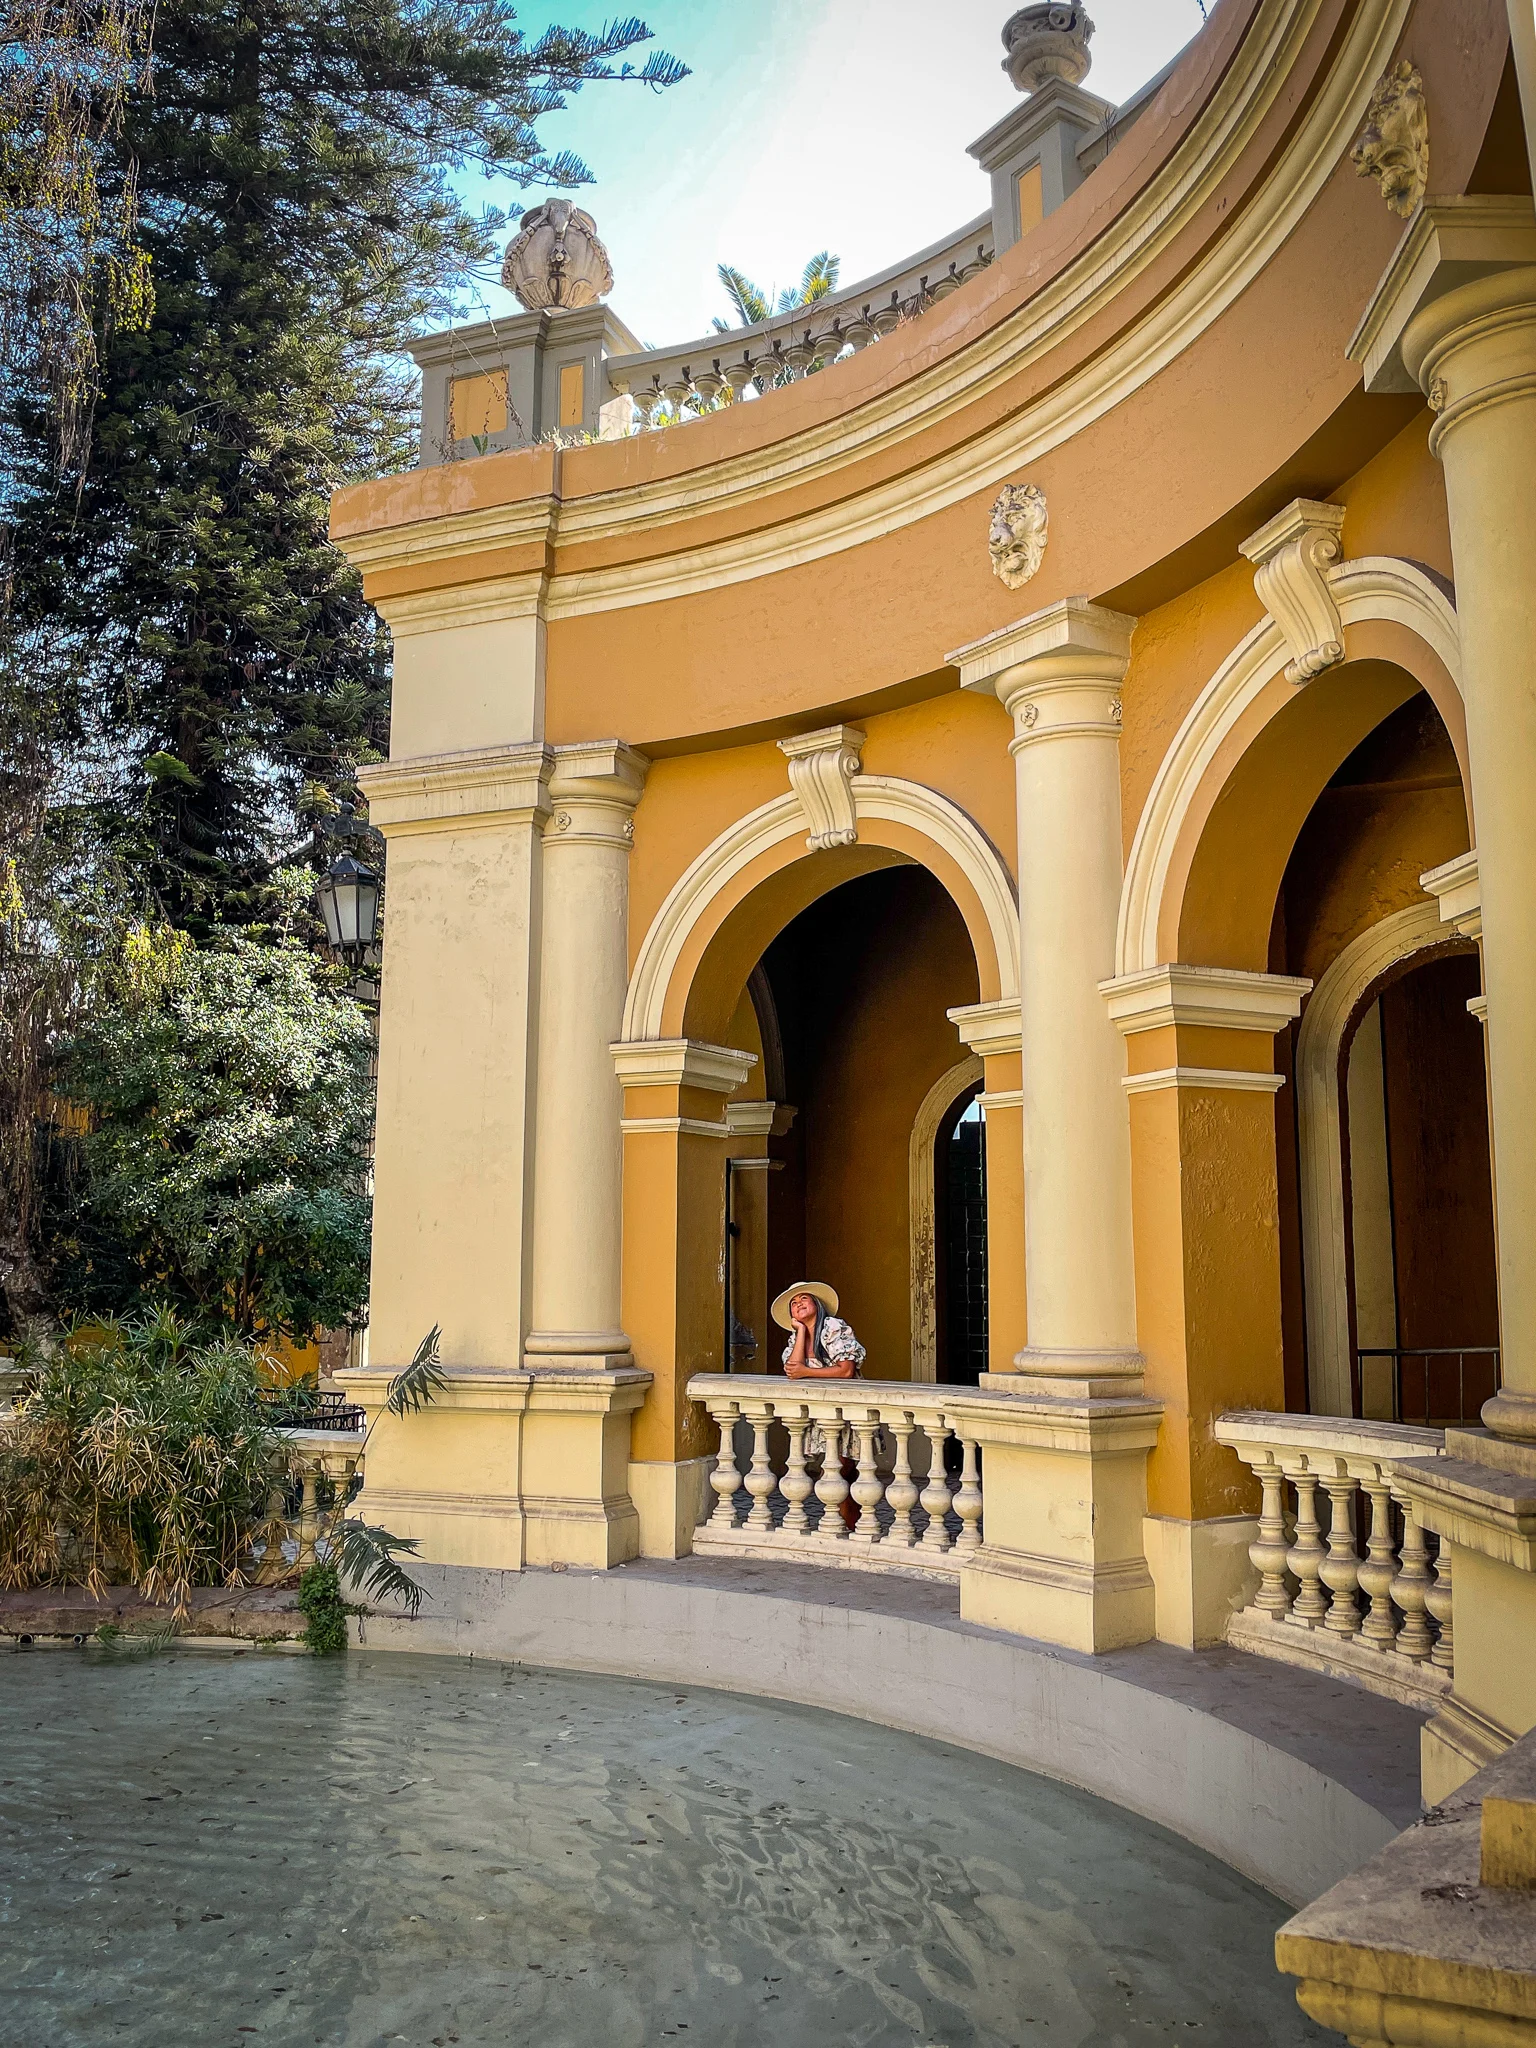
x=1394 y=146
x=1018 y=533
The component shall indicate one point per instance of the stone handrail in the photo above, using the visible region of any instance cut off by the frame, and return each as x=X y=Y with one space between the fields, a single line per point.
x=1382 y=1617
x=670 y=384
x=843 y=1472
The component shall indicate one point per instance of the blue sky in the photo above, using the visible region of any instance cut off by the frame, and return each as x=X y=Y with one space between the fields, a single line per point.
x=807 y=124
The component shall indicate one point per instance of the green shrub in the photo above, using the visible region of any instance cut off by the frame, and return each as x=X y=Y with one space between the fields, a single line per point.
x=138 y=1456
x=324 y=1610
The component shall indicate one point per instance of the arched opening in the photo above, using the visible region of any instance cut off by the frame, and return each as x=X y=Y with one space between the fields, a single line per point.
x=860 y=981
x=1389 y=1306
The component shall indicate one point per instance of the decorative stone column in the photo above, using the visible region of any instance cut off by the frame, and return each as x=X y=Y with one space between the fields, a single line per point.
x=1058 y=675
x=1455 y=317
x=578 y=1152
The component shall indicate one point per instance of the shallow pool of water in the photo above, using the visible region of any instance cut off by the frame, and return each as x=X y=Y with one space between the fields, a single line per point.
x=208 y=1849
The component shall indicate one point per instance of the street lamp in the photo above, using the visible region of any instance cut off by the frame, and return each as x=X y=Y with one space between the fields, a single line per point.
x=348 y=895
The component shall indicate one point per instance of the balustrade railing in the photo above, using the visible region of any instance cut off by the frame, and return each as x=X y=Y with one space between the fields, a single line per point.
x=321 y=1461
x=878 y=1475
x=674 y=384
x=1348 y=1579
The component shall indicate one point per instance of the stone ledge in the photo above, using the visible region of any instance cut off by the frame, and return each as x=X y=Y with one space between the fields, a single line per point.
x=254 y=1614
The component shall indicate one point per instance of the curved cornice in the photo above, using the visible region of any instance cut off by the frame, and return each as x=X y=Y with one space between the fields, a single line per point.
x=756 y=485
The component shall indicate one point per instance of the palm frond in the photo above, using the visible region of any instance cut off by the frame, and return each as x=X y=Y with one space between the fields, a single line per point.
x=820 y=277
x=366 y=1555
x=751 y=302
x=422 y=1380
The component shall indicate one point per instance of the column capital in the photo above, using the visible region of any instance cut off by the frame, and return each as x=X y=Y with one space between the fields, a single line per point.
x=1454 y=255
x=593 y=789
x=482 y=787
x=1058 y=672
x=1208 y=998
x=681 y=1063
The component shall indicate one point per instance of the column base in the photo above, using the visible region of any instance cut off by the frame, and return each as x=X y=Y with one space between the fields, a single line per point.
x=1202 y=1573
x=670 y=1499
x=1454 y=1745
x=1513 y=1416
x=1073 y=1375
x=507 y=1467
x=547 y=1362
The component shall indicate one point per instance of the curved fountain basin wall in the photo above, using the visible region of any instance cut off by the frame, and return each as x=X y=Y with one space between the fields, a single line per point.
x=1291 y=1779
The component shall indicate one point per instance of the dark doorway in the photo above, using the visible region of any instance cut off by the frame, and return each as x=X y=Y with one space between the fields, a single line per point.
x=1438 y=1284
x=960 y=1202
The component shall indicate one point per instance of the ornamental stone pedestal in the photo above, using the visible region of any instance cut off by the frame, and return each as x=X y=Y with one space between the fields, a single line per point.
x=1455 y=317
x=1073 y=1569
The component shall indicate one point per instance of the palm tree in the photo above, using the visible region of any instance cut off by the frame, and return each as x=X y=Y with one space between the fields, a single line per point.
x=753 y=305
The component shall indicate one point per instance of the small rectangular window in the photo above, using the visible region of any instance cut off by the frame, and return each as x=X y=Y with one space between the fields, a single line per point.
x=1030 y=188
x=573 y=395
x=479 y=405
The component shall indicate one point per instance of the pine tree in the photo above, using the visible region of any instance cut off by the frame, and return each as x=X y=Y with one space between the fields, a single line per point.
x=292 y=162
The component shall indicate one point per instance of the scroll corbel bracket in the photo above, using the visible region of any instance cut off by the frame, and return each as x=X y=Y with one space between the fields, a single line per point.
x=822 y=766
x=1292 y=556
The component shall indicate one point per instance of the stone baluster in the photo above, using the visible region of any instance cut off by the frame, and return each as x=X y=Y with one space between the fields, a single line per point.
x=1410 y=1588
x=1307 y=1555
x=868 y=1488
x=1379 y=1571
x=1438 y=1602
x=726 y=1476
x=935 y=1497
x=1341 y=1573
x=309 y=1515
x=1270 y=1555
x=796 y=1485
x=901 y=1492
x=739 y=375
x=760 y=1481
x=832 y=1487
x=968 y=1499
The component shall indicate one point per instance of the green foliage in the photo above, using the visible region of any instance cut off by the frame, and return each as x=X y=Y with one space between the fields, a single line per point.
x=366 y=1556
x=422 y=1380
x=753 y=305
x=291 y=162
x=138 y=1455
x=227 y=1100
x=324 y=1610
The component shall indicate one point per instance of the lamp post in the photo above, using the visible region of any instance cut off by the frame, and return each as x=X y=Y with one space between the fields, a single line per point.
x=348 y=895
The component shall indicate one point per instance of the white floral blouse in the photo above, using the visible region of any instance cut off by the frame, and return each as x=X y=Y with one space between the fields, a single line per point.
x=839 y=1346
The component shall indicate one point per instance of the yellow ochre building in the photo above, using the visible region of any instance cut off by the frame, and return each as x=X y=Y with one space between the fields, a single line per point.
x=1012 y=791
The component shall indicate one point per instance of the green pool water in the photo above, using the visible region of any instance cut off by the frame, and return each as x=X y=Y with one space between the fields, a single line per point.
x=209 y=1849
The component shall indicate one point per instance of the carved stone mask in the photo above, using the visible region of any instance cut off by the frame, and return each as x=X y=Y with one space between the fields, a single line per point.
x=1018 y=533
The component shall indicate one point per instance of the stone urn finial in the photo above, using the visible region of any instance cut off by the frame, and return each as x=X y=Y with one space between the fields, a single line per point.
x=1048 y=41
x=557 y=259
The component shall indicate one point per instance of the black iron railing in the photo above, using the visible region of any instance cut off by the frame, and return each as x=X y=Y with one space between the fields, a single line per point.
x=1434 y=1384
x=304 y=1407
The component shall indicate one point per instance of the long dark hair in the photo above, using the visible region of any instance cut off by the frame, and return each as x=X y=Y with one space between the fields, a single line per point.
x=816 y=1355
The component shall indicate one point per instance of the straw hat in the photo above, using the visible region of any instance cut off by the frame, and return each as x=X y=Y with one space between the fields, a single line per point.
x=817 y=1289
